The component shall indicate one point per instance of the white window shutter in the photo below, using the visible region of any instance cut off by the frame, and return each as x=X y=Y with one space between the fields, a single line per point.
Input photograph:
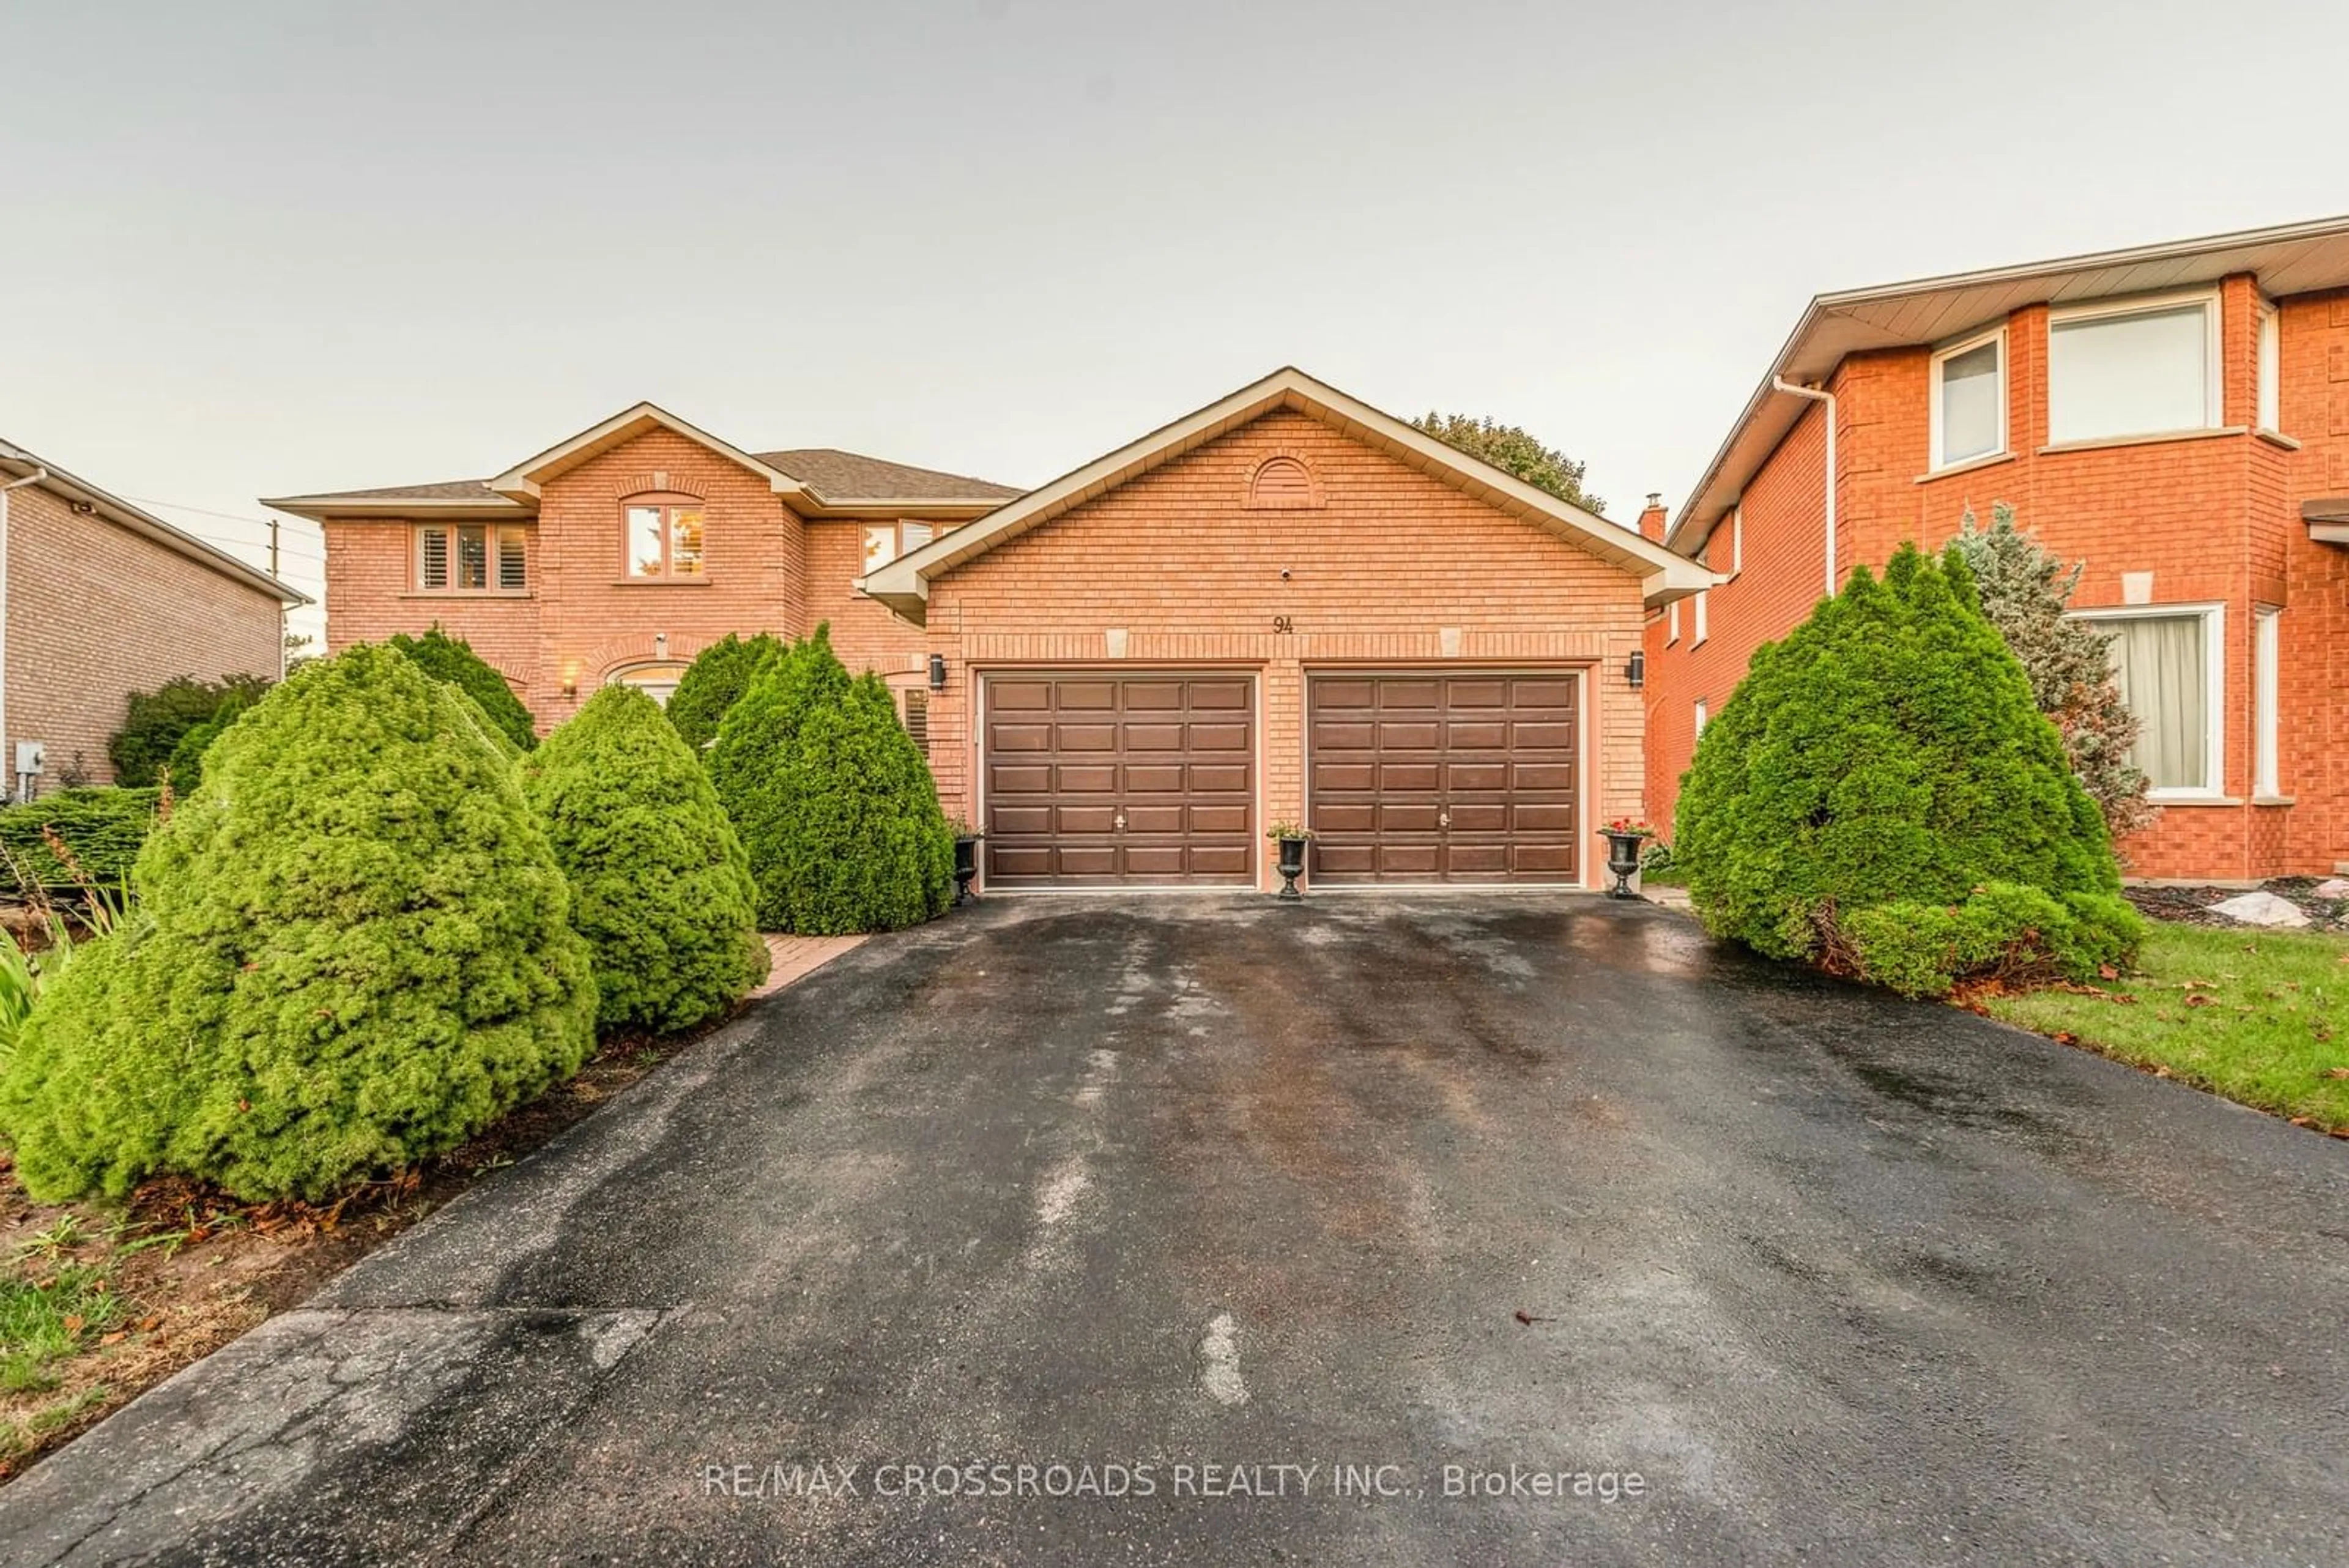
x=513 y=568
x=432 y=557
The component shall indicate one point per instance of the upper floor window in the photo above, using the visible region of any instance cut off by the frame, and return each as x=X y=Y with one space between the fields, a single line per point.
x=2143 y=369
x=885 y=541
x=470 y=558
x=1703 y=629
x=662 y=538
x=2270 y=369
x=1969 y=399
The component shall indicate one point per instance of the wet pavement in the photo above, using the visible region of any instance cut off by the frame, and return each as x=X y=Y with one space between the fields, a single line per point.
x=1300 y=1226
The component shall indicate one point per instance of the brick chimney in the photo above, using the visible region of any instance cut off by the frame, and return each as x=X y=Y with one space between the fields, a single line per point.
x=1652 y=520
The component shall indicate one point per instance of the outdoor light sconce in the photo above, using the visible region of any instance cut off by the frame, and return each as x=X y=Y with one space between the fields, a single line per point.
x=570 y=684
x=937 y=671
x=1635 y=670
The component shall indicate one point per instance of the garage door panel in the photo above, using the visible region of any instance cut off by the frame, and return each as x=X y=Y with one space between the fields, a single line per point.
x=1421 y=778
x=1102 y=779
x=1084 y=778
x=1154 y=778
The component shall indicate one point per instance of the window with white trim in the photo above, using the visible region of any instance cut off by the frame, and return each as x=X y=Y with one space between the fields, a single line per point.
x=662 y=539
x=2146 y=369
x=1671 y=623
x=2265 y=624
x=1701 y=595
x=1969 y=399
x=1699 y=732
x=2270 y=369
x=885 y=541
x=470 y=558
x=1737 y=539
x=2169 y=664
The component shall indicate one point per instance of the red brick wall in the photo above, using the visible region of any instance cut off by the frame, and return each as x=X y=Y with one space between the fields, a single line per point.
x=582 y=619
x=1176 y=561
x=2214 y=519
x=97 y=612
x=2312 y=759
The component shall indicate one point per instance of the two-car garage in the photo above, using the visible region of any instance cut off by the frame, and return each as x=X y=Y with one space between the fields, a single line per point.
x=1151 y=779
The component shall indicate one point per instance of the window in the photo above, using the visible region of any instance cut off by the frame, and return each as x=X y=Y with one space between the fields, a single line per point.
x=1699 y=734
x=917 y=718
x=663 y=540
x=2270 y=369
x=1701 y=595
x=2166 y=665
x=657 y=680
x=2131 y=370
x=2264 y=781
x=885 y=541
x=454 y=559
x=1737 y=539
x=1672 y=623
x=1969 y=399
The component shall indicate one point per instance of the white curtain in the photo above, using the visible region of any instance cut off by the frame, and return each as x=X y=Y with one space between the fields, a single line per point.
x=2158 y=663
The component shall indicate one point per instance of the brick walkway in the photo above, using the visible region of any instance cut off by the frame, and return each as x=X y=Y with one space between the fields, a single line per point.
x=798 y=956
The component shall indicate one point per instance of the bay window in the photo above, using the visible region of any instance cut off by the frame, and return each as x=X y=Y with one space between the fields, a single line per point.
x=2168 y=664
x=470 y=558
x=2144 y=368
x=1968 y=400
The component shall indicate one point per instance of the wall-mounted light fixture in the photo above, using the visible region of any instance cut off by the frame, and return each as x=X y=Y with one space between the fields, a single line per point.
x=937 y=671
x=1635 y=670
x=570 y=684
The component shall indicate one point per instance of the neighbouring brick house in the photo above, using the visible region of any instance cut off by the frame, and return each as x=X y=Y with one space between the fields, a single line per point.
x=99 y=599
x=1285 y=605
x=2176 y=416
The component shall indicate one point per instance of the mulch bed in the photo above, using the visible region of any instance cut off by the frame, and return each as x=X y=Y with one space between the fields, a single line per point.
x=2192 y=904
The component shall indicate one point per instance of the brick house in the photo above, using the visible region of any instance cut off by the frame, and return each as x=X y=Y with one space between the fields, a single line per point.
x=99 y=600
x=1284 y=605
x=2175 y=416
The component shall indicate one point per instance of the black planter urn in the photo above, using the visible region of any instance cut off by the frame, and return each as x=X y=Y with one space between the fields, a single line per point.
x=1292 y=867
x=966 y=867
x=1623 y=860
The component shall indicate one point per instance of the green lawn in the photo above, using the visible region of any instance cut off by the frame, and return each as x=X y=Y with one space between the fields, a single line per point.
x=2262 y=1018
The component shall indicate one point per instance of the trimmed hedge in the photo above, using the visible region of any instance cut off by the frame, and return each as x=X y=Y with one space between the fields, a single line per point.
x=715 y=681
x=452 y=659
x=154 y=721
x=351 y=950
x=2015 y=935
x=835 y=807
x=1887 y=750
x=659 y=885
x=102 y=828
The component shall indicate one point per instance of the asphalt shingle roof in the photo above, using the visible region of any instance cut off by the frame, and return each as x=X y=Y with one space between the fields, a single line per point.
x=837 y=474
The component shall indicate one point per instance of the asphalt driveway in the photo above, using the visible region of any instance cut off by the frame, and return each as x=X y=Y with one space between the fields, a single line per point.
x=1243 y=1211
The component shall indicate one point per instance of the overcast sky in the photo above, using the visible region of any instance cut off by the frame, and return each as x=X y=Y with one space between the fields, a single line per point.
x=256 y=249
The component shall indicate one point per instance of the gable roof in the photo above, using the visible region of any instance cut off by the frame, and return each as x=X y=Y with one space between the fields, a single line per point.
x=904 y=585
x=821 y=481
x=16 y=462
x=2292 y=258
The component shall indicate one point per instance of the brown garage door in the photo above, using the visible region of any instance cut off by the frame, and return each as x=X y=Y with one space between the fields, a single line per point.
x=1101 y=780
x=1443 y=778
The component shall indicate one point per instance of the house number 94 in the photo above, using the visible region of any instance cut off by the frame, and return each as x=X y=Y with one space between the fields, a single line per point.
x=1283 y=624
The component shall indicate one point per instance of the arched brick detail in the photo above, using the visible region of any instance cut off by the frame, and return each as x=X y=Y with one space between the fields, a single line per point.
x=1284 y=481
x=693 y=483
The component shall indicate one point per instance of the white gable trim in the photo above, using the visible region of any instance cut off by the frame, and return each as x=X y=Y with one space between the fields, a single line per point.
x=521 y=482
x=904 y=585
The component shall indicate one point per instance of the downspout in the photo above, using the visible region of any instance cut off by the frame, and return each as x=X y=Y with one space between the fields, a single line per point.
x=1817 y=395
x=38 y=474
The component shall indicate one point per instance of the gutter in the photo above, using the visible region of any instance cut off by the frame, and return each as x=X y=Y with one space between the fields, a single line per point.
x=36 y=477
x=1818 y=395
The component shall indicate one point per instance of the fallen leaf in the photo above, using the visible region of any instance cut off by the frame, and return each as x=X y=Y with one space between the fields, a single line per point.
x=73 y=1323
x=2066 y=1037
x=2337 y=1071
x=1528 y=1319
x=151 y=1322
x=117 y=1337
x=2161 y=1072
x=2303 y=1121
x=2197 y=1001
x=2108 y=972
